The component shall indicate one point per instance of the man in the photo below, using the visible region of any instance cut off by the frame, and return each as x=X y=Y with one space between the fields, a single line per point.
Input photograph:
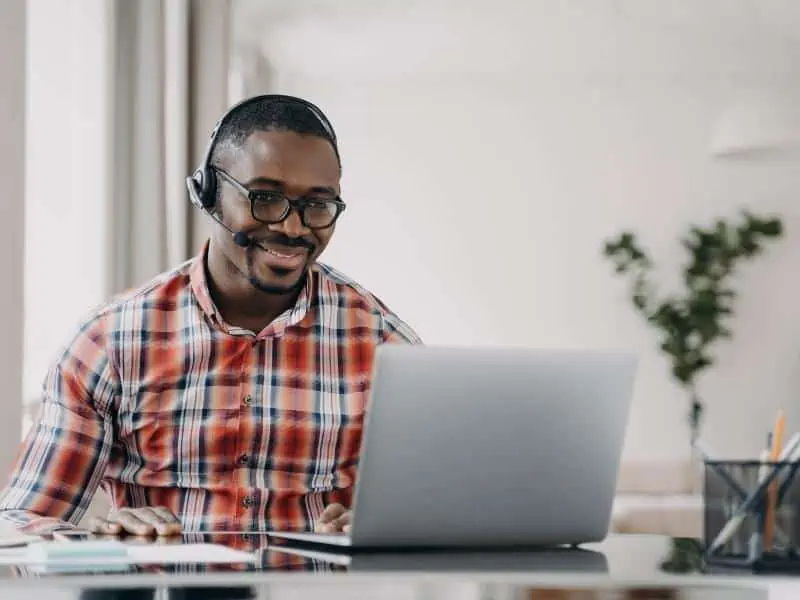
x=229 y=393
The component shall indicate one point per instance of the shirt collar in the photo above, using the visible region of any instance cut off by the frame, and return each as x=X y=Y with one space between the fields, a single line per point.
x=292 y=316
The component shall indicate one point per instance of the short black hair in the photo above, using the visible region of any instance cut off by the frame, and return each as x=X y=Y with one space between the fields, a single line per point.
x=270 y=114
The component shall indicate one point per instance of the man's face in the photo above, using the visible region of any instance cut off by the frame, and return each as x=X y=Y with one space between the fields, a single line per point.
x=298 y=166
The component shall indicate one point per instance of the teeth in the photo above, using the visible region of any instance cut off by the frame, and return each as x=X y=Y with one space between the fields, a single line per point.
x=278 y=254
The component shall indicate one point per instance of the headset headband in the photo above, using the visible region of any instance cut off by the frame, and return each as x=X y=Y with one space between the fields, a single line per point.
x=202 y=185
x=278 y=98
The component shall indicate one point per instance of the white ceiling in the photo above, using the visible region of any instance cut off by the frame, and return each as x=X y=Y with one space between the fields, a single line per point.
x=680 y=37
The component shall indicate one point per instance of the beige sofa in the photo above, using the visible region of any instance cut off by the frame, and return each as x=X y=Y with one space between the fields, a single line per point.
x=659 y=497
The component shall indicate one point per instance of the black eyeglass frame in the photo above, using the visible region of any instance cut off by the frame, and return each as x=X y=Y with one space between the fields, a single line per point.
x=299 y=205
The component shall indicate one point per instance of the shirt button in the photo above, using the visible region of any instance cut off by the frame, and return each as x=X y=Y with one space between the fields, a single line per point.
x=244 y=459
x=247 y=502
x=248 y=400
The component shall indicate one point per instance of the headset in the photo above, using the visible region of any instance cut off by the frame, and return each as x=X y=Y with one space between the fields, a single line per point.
x=202 y=185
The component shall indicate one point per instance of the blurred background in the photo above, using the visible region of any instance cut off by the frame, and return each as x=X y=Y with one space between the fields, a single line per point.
x=489 y=149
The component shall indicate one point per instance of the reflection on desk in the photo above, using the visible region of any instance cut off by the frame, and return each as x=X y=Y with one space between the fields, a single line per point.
x=256 y=544
x=560 y=560
x=172 y=593
x=278 y=555
x=621 y=568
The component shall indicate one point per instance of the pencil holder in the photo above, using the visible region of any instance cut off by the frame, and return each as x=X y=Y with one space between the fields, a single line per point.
x=752 y=515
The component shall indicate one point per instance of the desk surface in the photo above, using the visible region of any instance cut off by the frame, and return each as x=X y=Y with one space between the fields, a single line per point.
x=601 y=571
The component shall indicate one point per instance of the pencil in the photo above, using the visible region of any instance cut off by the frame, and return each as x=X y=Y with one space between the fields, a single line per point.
x=772 y=493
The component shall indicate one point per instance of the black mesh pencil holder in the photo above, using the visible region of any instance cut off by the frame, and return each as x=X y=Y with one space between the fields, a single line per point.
x=752 y=515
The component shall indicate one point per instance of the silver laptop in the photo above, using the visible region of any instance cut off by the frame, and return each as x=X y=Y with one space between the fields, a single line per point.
x=488 y=447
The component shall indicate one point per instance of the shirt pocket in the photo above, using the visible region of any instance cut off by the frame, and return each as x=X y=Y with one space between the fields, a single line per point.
x=176 y=437
x=315 y=436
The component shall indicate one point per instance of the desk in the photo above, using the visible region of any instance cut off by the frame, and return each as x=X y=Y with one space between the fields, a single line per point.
x=624 y=567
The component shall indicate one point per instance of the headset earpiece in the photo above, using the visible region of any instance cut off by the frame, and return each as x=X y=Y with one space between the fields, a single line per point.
x=208 y=187
x=197 y=187
x=202 y=187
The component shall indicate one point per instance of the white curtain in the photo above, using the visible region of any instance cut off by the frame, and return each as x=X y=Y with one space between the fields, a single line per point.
x=169 y=87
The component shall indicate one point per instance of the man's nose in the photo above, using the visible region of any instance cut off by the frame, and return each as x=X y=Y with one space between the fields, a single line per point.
x=292 y=226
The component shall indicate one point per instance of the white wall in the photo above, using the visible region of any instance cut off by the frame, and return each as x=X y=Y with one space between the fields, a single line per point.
x=12 y=165
x=66 y=175
x=487 y=155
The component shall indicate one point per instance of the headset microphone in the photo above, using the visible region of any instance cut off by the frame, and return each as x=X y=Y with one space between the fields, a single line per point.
x=240 y=238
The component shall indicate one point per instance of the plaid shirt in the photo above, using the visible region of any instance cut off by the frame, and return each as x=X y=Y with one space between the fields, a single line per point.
x=161 y=403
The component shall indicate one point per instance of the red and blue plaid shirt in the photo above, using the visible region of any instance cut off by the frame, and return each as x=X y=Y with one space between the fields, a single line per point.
x=159 y=402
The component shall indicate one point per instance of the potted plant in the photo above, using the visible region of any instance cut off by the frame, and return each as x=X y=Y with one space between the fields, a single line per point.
x=690 y=323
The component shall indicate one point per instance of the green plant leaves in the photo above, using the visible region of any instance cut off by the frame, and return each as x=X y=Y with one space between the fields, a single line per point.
x=690 y=324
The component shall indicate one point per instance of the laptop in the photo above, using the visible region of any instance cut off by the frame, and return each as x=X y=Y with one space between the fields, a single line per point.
x=487 y=448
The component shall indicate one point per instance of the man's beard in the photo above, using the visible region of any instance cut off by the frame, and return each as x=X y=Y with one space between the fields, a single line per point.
x=272 y=288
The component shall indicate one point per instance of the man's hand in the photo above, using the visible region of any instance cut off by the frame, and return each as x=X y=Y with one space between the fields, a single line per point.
x=335 y=519
x=138 y=521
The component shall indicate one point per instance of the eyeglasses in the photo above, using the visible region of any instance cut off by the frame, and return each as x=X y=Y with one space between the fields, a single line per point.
x=272 y=207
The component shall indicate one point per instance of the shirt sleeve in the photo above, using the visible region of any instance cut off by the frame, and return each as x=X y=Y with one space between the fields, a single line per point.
x=62 y=459
x=397 y=331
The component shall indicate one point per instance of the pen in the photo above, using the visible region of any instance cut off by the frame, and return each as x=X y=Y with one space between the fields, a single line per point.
x=763 y=468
